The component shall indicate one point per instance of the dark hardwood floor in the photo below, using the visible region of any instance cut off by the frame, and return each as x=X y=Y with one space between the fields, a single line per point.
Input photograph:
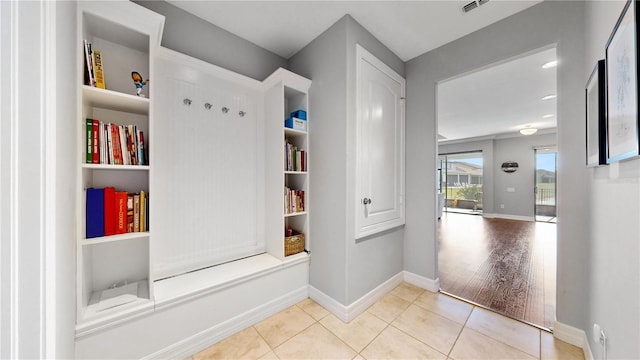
x=508 y=266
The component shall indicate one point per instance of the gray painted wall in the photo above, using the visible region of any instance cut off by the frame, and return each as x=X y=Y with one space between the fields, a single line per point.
x=614 y=227
x=193 y=36
x=496 y=182
x=375 y=259
x=341 y=268
x=324 y=61
x=519 y=149
x=543 y=25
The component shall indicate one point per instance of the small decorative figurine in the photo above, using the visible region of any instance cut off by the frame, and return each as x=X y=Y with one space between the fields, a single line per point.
x=138 y=82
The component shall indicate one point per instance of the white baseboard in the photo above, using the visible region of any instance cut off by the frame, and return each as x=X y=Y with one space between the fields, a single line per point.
x=346 y=313
x=193 y=344
x=509 y=217
x=573 y=336
x=421 y=281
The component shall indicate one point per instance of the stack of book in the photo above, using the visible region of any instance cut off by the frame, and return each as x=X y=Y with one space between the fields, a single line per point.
x=94 y=68
x=294 y=159
x=111 y=212
x=109 y=143
x=293 y=200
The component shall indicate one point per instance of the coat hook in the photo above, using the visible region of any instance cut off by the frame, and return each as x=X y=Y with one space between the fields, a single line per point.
x=242 y=113
x=225 y=109
x=207 y=106
x=187 y=102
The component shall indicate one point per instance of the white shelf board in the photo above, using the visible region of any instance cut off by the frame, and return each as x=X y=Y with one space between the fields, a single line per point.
x=183 y=287
x=93 y=320
x=296 y=214
x=114 y=238
x=295 y=172
x=108 y=99
x=294 y=132
x=115 y=167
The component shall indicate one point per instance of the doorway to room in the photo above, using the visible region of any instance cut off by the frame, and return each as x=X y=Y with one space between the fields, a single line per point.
x=460 y=178
x=545 y=184
x=503 y=260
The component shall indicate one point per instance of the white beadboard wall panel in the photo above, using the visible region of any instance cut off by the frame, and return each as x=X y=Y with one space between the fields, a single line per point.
x=207 y=185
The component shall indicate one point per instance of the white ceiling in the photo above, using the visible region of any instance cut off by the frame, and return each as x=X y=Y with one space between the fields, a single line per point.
x=500 y=99
x=408 y=28
x=497 y=100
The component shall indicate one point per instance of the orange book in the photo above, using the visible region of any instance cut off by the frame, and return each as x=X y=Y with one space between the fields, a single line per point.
x=121 y=211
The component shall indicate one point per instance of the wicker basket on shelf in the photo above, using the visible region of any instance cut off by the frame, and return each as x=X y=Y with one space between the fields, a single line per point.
x=293 y=244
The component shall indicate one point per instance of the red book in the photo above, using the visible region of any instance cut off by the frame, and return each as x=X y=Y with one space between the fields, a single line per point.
x=121 y=211
x=96 y=141
x=109 y=211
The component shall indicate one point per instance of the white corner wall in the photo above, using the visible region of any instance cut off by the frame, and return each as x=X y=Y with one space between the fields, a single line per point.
x=613 y=200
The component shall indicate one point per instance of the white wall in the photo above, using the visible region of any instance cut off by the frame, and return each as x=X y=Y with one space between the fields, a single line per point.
x=64 y=272
x=559 y=23
x=613 y=200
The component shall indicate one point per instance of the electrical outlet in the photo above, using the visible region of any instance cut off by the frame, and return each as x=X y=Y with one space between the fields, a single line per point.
x=501 y=206
x=596 y=333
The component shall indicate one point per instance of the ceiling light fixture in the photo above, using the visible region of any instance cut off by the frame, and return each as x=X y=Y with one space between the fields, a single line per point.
x=547 y=116
x=550 y=64
x=549 y=97
x=528 y=130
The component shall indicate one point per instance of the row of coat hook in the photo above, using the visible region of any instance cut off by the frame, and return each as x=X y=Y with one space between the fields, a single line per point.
x=208 y=106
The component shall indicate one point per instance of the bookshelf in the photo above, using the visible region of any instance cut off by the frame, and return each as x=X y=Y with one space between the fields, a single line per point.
x=286 y=92
x=126 y=36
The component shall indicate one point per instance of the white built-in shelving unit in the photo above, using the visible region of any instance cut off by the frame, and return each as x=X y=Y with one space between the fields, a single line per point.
x=127 y=36
x=285 y=92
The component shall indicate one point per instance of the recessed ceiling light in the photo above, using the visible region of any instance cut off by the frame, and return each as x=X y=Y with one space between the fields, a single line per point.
x=550 y=64
x=549 y=97
x=547 y=116
x=528 y=131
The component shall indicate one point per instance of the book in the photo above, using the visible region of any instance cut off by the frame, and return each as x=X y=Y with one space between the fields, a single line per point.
x=129 y=213
x=109 y=211
x=136 y=212
x=96 y=142
x=142 y=159
x=89 y=123
x=146 y=216
x=88 y=61
x=143 y=211
x=98 y=70
x=121 y=212
x=94 y=213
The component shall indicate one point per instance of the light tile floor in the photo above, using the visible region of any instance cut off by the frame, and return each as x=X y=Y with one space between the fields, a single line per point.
x=407 y=323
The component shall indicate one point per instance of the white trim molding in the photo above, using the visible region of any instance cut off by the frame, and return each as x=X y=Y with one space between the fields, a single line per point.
x=509 y=217
x=346 y=313
x=421 y=281
x=573 y=336
x=202 y=340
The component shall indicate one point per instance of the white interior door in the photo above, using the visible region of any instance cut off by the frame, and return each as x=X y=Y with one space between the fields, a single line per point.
x=380 y=146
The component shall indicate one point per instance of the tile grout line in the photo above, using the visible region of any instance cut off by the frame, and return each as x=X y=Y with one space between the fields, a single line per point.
x=461 y=330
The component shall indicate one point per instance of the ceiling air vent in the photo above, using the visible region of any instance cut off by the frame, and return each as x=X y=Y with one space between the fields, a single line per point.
x=472 y=5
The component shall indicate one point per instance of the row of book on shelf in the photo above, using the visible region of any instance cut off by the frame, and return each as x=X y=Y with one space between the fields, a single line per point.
x=294 y=159
x=93 y=69
x=111 y=212
x=109 y=143
x=293 y=201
